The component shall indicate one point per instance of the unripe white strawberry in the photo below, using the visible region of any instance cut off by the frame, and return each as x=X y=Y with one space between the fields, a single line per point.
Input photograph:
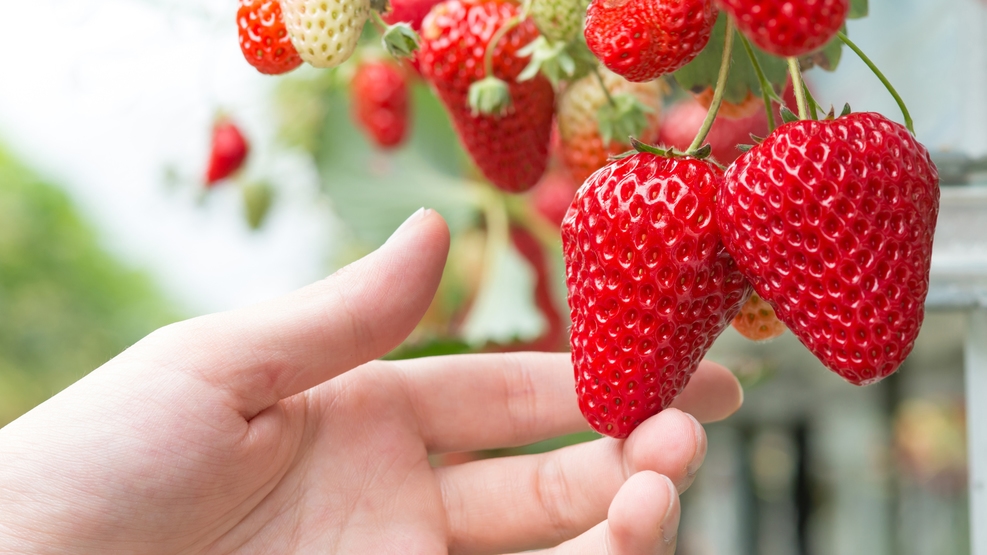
x=325 y=32
x=584 y=107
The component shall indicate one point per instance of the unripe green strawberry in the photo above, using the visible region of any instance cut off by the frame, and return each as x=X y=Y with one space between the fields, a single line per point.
x=584 y=149
x=325 y=32
x=651 y=285
x=559 y=20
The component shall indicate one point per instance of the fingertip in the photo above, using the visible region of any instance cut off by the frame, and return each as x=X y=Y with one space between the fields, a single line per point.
x=713 y=393
x=426 y=228
x=644 y=515
x=671 y=443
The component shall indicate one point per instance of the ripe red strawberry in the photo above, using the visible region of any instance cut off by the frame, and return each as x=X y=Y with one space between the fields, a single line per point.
x=832 y=221
x=582 y=145
x=650 y=285
x=379 y=93
x=786 y=28
x=642 y=40
x=411 y=12
x=511 y=149
x=228 y=151
x=757 y=321
x=264 y=39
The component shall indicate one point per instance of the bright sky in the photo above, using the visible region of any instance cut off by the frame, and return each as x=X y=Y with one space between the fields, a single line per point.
x=101 y=96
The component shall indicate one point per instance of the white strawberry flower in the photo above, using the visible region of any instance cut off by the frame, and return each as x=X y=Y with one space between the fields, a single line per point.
x=325 y=32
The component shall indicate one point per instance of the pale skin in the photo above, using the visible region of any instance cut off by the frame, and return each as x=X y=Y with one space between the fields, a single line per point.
x=272 y=429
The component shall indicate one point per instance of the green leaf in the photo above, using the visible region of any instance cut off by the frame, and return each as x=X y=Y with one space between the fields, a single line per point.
x=626 y=117
x=858 y=9
x=788 y=116
x=702 y=72
x=505 y=309
x=374 y=192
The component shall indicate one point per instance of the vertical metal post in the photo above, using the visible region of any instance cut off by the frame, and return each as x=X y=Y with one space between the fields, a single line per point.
x=976 y=417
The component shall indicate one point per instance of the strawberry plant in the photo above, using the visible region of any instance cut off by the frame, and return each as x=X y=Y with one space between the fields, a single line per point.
x=661 y=167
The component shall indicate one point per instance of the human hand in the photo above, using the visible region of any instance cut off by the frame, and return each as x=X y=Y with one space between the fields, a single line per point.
x=266 y=430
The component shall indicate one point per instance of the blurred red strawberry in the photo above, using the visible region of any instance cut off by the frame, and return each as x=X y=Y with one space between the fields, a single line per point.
x=228 y=151
x=411 y=12
x=553 y=195
x=379 y=92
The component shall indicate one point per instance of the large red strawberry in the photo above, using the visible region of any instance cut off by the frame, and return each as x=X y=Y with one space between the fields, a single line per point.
x=642 y=40
x=510 y=149
x=227 y=153
x=264 y=39
x=832 y=221
x=379 y=92
x=786 y=28
x=650 y=285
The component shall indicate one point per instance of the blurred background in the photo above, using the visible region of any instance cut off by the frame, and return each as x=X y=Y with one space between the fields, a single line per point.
x=108 y=232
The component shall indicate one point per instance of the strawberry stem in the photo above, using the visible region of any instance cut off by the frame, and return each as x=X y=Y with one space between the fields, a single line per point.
x=721 y=86
x=897 y=98
x=497 y=36
x=606 y=91
x=799 y=87
x=381 y=24
x=763 y=80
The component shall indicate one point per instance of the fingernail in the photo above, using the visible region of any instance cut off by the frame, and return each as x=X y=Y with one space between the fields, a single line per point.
x=412 y=219
x=670 y=524
x=700 y=456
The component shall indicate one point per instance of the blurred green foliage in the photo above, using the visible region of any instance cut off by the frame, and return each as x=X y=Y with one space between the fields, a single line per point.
x=66 y=306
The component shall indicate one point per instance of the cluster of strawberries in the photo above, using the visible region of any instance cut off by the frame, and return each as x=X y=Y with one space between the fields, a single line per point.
x=825 y=226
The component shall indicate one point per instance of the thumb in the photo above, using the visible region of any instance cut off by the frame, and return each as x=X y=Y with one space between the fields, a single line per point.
x=273 y=350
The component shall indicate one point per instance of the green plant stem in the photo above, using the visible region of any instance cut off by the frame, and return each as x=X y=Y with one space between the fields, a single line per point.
x=606 y=91
x=813 y=105
x=799 y=86
x=763 y=80
x=897 y=98
x=375 y=15
x=721 y=86
x=500 y=34
x=544 y=231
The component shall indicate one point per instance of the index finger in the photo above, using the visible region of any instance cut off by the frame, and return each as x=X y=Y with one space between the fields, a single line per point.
x=489 y=401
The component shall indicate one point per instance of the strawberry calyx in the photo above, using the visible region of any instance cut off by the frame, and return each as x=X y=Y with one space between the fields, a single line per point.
x=490 y=96
x=400 y=40
x=641 y=147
